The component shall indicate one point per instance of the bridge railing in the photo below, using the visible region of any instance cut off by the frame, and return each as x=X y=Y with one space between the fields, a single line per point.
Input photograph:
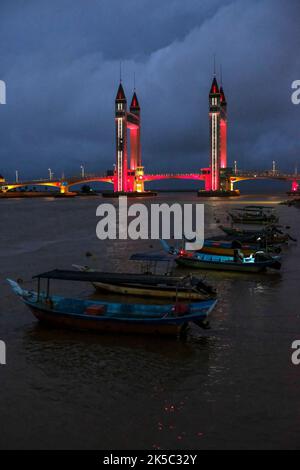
x=87 y=177
x=260 y=173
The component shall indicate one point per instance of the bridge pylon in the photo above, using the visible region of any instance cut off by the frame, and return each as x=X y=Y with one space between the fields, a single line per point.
x=139 y=185
x=295 y=186
x=64 y=187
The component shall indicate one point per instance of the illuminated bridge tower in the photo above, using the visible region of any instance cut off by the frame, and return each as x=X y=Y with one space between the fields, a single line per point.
x=134 y=125
x=215 y=134
x=121 y=178
x=223 y=128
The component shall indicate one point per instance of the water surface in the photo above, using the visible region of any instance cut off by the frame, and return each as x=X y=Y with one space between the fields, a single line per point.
x=231 y=387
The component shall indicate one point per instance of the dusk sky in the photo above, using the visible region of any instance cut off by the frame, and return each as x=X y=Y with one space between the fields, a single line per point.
x=60 y=61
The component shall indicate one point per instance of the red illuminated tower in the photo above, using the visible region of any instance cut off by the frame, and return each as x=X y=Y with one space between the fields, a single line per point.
x=121 y=140
x=223 y=128
x=215 y=134
x=134 y=125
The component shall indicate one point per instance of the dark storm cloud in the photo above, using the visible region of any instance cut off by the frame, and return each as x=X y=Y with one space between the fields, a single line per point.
x=60 y=61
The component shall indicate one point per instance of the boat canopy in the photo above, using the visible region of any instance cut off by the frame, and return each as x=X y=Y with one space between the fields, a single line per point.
x=98 y=276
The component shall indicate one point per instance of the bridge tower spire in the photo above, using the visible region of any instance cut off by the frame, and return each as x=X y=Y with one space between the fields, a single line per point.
x=214 y=127
x=121 y=140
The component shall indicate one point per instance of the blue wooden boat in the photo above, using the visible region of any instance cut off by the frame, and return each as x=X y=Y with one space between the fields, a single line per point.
x=227 y=247
x=103 y=316
x=255 y=263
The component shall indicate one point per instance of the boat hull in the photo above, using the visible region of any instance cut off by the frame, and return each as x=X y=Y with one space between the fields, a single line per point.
x=253 y=221
x=252 y=235
x=106 y=326
x=217 y=266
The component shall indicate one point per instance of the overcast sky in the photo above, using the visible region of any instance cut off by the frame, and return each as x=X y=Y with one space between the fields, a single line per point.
x=60 y=61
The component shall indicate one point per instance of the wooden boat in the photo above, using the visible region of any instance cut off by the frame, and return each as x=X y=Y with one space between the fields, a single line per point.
x=269 y=235
x=101 y=316
x=256 y=262
x=256 y=215
x=228 y=247
x=252 y=264
x=147 y=285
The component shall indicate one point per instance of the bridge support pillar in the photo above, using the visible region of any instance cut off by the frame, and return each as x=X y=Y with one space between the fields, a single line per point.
x=64 y=188
x=139 y=185
x=207 y=183
x=295 y=186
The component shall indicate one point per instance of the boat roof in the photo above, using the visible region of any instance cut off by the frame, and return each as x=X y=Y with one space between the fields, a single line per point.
x=99 y=276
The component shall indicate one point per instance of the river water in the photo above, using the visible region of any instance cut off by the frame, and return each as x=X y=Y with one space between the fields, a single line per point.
x=233 y=386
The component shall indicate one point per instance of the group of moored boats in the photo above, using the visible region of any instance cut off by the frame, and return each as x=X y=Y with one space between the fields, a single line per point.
x=183 y=299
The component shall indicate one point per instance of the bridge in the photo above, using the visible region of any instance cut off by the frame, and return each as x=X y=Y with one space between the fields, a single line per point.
x=128 y=174
x=64 y=185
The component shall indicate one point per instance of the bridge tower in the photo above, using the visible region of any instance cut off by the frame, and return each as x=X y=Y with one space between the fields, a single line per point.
x=223 y=128
x=136 y=176
x=215 y=134
x=134 y=125
x=121 y=140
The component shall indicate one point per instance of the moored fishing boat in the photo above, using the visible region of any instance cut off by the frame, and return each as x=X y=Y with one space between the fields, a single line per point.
x=112 y=317
x=269 y=235
x=228 y=247
x=143 y=285
x=253 y=264
x=255 y=215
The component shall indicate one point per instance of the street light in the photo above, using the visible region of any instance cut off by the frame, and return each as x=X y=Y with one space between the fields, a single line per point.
x=235 y=167
x=17 y=176
x=50 y=174
x=82 y=170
